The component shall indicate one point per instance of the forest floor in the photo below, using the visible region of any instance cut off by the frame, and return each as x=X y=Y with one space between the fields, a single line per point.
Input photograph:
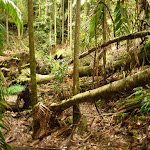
x=106 y=130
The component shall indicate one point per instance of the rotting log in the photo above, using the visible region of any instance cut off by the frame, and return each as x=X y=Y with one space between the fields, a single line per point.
x=131 y=104
x=25 y=77
x=118 y=39
x=123 y=64
x=105 y=91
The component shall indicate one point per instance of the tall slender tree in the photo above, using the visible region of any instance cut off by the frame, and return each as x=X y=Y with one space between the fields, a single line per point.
x=68 y=21
x=55 y=30
x=32 y=54
x=76 y=111
x=71 y=24
x=18 y=26
x=50 y=29
x=62 y=21
x=104 y=40
x=46 y=3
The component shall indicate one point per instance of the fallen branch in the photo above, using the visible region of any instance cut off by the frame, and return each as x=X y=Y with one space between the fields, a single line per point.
x=118 y=39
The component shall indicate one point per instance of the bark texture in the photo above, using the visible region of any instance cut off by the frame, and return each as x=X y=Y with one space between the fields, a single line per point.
x=32 y=54
x=105 y=91
x=76 y=111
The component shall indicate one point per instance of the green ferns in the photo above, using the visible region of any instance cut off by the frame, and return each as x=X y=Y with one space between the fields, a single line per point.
x=2 y=31
x=92 y=22
x=146 y=105
x=15 y=89
x=121 y=19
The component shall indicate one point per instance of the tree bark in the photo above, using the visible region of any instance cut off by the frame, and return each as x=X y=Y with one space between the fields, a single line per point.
x=19 y=34
x=32 y=54
x=71 y=25
x=62 y=21
x=55 y=31
x=76 y=111
x=118 y=39
x=106 y=91
x=68 y=21
x=104 y=40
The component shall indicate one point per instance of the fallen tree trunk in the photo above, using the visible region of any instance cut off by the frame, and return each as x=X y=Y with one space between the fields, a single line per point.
x=105 y=91
x=131 y=104
x=125 y=63
x=118 y=39
x=24 y=77
x=42 y=114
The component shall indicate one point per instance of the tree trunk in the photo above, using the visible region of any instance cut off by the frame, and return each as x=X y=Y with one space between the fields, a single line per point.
x=32 y=54
x=46 y=11
x=50 y=31
x=104 y=40
x=106 y=91
x=62 y=21
x=85 y=11
x=68 y=21
x=71 y=25
x=18 y=25
x=55 y=30
x=76 y=111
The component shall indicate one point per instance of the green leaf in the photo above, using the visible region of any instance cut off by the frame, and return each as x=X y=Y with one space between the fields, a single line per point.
x=2 y=126
x=13 y=10
x=92 y=21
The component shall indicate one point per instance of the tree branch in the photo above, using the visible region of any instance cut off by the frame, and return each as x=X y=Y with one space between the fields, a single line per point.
x=118 y=39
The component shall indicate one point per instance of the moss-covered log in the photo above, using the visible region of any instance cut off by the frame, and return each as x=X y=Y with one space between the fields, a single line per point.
x=105 y=91
x=131 y=104
x=25 y=77
x=124 y=64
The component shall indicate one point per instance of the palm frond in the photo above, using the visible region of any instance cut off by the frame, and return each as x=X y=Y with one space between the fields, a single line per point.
x=121 y=19
x=2 y=30
x=92 y=22
x=13 y=10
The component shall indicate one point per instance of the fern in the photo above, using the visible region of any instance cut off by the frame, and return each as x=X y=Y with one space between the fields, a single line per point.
x=121 y=19
x=92 y=22
x=2 y=30
x=15 y=89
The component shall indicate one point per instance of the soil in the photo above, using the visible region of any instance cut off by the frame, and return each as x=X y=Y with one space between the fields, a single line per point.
x=104 y=131
x=97 y=130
